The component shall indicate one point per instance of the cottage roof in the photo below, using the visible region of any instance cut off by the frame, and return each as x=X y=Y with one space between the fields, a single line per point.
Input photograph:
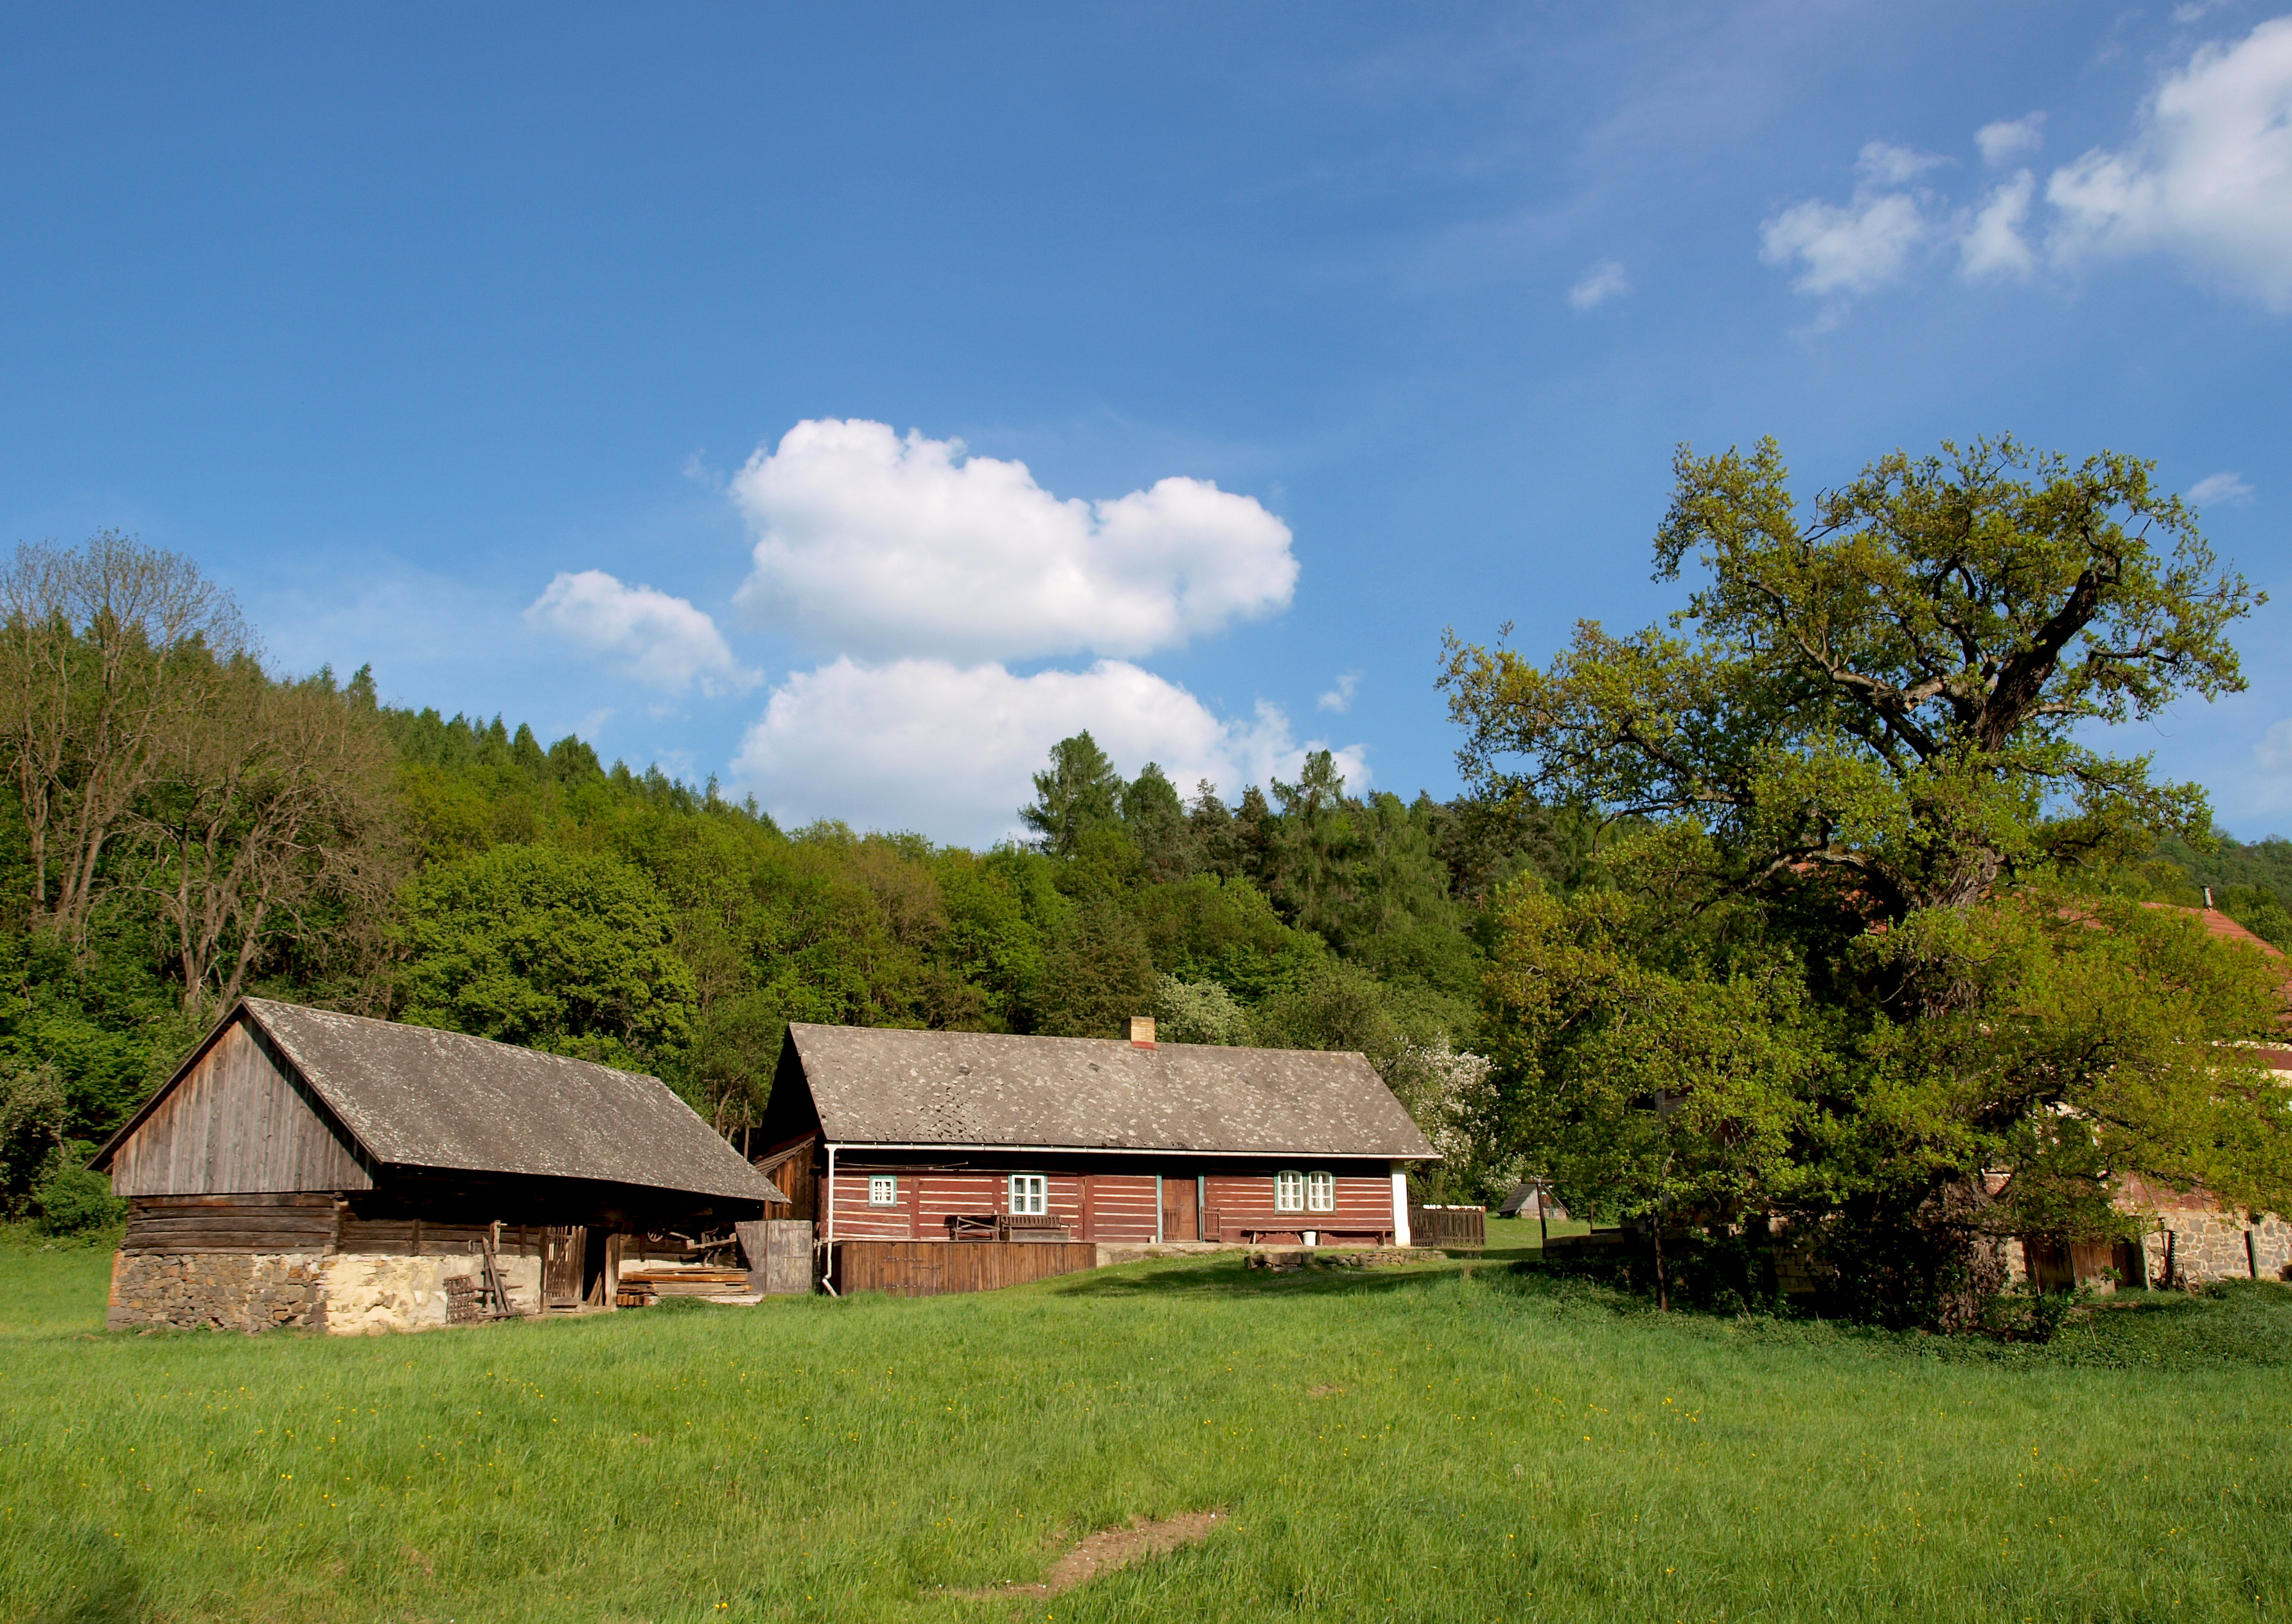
x=878 y=1086
x=412 y=1096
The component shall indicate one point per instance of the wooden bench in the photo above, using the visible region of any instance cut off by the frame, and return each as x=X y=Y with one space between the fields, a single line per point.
x=1006 y=1226
x=1254 y=1235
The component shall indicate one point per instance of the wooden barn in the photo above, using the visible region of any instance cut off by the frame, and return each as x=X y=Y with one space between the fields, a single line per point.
x=908 y=1150
x=324 y=1170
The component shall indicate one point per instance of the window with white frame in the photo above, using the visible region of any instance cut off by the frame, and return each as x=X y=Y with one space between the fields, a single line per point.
x=1288 y=1192
x=1321 y=1193
x=1030 y=1195
x=882 y=1189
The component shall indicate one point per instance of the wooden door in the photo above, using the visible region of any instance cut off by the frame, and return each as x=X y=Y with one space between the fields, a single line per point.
x=1179 y=1219
x=787 y=1256
x=561 y=1266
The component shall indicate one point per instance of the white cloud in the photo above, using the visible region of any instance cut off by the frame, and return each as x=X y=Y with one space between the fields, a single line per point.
x=2207 y=175
x=886 y=547
x=1602 y=282
x=1850 y=249
x=661 y=641
x=1340 y=699
x=2223 y=487
x=1993 y=244
x=929 y=745
x=2274 y=749
x=2009 y=139
x=1882 y=163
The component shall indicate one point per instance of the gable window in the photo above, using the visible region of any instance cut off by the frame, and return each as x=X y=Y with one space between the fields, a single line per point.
x=1288 y=1192
x=1030 y=1195
x=882 y=1189
x=1321 y=1193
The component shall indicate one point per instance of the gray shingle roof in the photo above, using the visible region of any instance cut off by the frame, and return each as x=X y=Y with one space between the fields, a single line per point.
x=875 y=1086
x=417 y=1097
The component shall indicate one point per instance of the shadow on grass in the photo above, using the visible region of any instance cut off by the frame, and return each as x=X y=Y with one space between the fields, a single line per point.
x=95 y=1585
x=1225 y=1274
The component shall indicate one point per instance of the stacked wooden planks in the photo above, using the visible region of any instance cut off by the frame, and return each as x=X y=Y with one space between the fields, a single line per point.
x=640 y=1287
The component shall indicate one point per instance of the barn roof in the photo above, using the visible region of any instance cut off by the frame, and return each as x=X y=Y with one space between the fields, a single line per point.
x=412 y=1096
x=876 y=1085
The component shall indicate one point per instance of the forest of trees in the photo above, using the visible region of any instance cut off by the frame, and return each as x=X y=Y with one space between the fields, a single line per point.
x=185 y=827
x=1813 y=912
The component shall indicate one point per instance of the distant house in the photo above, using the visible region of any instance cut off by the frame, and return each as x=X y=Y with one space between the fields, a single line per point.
x=947 y=1137
x=1530 y=1199
x=2193 y=1239
x=324 y=1170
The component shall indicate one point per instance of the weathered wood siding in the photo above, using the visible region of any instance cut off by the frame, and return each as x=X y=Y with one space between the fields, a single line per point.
x=1092 y=1205
x=932 y=1268
x=239 y=1124
x=1238 y=1201
x=229 y=1223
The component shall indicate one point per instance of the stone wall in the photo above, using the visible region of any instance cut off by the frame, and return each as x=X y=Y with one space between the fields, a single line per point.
x=2200 y=1247
x=246 y=1291
x=345 y=1294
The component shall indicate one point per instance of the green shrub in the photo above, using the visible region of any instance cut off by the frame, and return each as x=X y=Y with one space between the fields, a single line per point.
x=68 y=1199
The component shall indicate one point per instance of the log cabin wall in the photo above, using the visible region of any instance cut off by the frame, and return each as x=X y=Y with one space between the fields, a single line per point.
x=1241 y=1205
x=239 y=1124
x=1090 y=1205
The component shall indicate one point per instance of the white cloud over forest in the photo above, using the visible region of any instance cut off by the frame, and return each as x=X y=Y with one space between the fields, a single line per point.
x=883 y=547
x=661 y=641
x=948 y=749
x=1860 y=246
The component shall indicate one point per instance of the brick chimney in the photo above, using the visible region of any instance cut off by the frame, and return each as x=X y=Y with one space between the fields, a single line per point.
x=1142 y=1031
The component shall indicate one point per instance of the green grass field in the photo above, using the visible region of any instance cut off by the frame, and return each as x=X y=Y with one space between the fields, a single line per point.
x=1456 y=1441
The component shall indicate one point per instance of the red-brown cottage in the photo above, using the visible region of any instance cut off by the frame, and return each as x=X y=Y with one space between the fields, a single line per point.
x=882 y=1135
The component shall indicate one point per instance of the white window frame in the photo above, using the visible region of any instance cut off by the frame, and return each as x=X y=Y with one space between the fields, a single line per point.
x=882 y=1189
x=1030 y=1194
x=1321 y=1193
x=1289 y=1191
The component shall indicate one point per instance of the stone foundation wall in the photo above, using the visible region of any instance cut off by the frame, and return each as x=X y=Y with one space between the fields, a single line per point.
x=246 y=1291
x=345 y=1294
x=2210 y=1245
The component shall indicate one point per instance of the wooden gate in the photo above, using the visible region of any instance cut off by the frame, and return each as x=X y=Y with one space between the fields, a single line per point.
x=779 y=1256
x=1443 y=1226
x=1180 y=1220
x=561 y=1266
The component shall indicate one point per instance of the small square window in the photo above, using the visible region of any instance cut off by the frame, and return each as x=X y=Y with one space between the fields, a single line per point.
x=1030 y=1195
x=1321 y=1193
x=1288 y=1192
x=882 y=1189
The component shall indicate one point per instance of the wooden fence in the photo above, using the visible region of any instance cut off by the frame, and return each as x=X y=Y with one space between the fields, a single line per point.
x=1443 y=1226
x=930 y=1268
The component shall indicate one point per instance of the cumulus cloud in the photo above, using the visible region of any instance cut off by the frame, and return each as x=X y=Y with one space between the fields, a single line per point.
x=1602 y=282
x=2223 y=487
x=1340 y=699
x=1993 y=244
x=883 y=546
x=949 y=749
x=658 y=640
x=2207 y=175
x=2009 y=139
x=2274 y=750
x=1842 y=250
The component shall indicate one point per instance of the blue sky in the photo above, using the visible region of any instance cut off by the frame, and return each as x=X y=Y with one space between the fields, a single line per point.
x=437 y=334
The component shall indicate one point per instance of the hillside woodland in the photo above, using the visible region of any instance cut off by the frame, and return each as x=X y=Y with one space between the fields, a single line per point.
x=184 y=826
x=1811 y=912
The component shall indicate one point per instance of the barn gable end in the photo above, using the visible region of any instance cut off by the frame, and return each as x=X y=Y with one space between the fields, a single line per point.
x=239 y=1121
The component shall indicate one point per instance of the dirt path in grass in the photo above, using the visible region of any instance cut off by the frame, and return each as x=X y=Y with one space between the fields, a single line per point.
x=1108 y=1549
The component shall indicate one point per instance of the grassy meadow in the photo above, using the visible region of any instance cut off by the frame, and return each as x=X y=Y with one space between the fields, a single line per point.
x=1453 y=1441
